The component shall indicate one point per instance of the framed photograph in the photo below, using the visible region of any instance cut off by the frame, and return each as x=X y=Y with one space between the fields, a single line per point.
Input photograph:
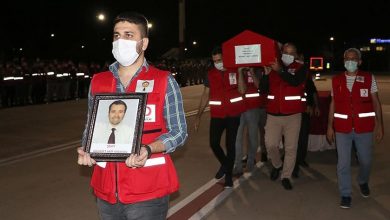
x=115 y=126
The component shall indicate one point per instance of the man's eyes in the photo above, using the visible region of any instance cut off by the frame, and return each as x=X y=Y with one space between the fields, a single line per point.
x=126 y=36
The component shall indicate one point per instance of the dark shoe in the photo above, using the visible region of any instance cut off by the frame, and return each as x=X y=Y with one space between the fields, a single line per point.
x=364 y=190
x=286 y=184
x=220 y=174
x=228 y=182
x=345 y=202
x=275 y=173
x=304 y=164
x=264 y=157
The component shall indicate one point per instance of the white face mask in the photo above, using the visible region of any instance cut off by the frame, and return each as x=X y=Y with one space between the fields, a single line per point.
x=219 y=66
x=125 y=51
x=287 y=59
x=351 y=66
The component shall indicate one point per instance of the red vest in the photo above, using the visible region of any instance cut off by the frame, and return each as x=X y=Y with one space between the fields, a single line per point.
x=225 y=100
x=353 y=110
x=140 y=184
x=252 y=97
x=284 y=98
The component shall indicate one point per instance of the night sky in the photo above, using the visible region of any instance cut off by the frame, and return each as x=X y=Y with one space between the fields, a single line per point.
x=28 y=25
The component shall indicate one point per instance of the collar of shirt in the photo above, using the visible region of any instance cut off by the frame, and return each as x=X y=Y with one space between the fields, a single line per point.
x=114 y=68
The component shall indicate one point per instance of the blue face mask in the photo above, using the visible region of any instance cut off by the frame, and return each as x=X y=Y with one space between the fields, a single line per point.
x=351 y=66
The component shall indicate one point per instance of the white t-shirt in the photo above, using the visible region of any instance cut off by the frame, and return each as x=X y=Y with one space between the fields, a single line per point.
x=351 y=80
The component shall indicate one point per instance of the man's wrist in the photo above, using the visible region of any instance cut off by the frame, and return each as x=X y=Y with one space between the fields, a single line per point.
x=148 y=149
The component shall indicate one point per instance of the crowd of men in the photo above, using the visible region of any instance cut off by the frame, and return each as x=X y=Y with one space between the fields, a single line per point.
x=37 y=81
x=284 y=96
x=186 y=72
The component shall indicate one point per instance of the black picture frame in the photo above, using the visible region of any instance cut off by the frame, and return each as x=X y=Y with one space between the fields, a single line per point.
x=101 y=120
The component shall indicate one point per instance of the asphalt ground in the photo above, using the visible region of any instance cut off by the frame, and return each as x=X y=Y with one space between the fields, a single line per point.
x=40 y=179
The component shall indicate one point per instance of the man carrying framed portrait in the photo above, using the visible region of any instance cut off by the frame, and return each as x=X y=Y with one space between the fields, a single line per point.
x=138 y=187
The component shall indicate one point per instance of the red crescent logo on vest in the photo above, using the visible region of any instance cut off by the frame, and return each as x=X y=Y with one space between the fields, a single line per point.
x=148 y=111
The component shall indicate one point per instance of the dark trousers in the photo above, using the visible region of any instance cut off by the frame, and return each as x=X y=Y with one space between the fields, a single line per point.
x=217 y=126
x=154 y=209
x=303 y=139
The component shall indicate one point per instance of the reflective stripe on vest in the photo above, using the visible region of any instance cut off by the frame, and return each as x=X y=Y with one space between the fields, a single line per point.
x=236 y=99
x=215 y=103
x=297 y=97
x=303 y=99
x=270 y=97
x=337 y=115
x=251 y=95
x=368 y=114
x=154 y=161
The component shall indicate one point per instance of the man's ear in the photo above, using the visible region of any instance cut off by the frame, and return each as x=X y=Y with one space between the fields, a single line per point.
x=145 y=43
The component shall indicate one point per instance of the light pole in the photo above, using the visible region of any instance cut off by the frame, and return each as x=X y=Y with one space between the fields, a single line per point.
x=332 y=39
x=182 y=24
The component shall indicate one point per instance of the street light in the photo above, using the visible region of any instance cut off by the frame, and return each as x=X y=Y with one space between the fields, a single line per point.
x=150 y=25
x=194 y=42
x=101 y=17
x=52 y=35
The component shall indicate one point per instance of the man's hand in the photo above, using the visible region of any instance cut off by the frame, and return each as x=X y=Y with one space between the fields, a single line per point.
x=135 y=161
x=84 y=158
x=267 y=70
x=245 y=70
x=276 y=66
x=378 y=133
x=330 y=135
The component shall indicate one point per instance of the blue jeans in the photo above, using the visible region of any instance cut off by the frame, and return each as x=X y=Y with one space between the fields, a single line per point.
x=363 y=144
x=249 y=119
x=154 y=209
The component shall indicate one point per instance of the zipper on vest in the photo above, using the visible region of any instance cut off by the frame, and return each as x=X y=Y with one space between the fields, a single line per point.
x=116 y=181
x=352 y=112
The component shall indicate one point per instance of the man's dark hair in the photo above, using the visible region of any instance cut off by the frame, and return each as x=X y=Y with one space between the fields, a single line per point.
x=216 y=50
x=291 y=44
x=134 y=18
x=117 y=102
